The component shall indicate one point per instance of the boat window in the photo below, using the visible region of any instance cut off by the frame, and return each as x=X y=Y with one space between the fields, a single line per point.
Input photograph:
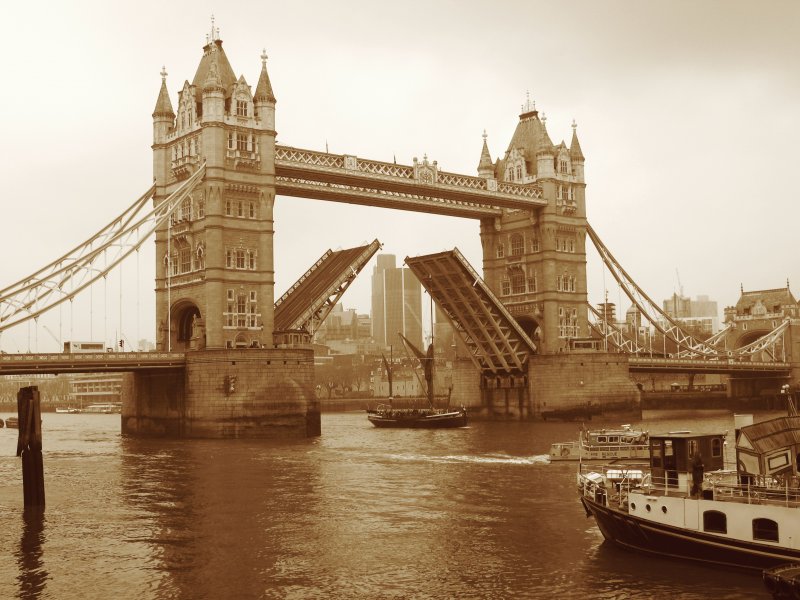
x=668 y=448
x=613 y=439
x=716 y=447
x=655 y=453
x=692 y=448
x=601 y=439
x=765 y=529
x=715 y=521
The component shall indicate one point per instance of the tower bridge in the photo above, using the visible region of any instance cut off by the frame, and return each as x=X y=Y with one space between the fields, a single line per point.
x=532 y=340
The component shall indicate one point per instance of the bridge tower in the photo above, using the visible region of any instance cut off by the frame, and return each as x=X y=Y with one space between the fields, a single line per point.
x=535 y=260
x=214 y=269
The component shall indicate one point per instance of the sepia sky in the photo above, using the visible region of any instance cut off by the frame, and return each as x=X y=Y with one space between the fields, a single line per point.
x=687 y=114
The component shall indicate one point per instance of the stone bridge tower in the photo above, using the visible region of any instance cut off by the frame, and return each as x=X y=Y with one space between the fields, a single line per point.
x=214 y=271
x=535 y=260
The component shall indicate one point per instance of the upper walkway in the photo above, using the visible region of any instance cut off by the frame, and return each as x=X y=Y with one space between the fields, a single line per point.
x=419 y=187
x=721 y=367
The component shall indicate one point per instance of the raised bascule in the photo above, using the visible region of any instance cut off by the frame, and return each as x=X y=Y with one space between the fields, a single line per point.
x=233 y=362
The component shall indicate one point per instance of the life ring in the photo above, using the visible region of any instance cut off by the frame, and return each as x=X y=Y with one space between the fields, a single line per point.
x=564 y=451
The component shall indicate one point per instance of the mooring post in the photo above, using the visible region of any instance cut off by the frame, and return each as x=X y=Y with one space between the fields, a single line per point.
x=29 y=445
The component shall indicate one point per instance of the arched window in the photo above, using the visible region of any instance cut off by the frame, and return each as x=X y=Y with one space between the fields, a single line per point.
x=200 y=258
x=517 y=245
x=765 y=529
x=715 y=521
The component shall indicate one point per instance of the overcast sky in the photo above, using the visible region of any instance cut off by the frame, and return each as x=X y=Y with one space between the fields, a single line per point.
x=687 y=114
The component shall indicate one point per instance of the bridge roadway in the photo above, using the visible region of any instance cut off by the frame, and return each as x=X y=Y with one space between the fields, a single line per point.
x=721 y=367
x=54 y=363
x=32 y=364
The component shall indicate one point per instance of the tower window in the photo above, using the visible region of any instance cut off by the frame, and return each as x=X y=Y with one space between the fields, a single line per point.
x=228 y=211
x=241 y=141
x=241 y=108
x=563 y=166
x=517 y=282
x=505 y=287
x=517 y=245
x=500 y=251
x=240 y=263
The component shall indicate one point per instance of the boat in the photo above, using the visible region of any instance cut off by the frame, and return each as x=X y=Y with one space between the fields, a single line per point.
x=424 y=418
x=685 y=504
x=428 y=417
x=625 y=443
x=106 y=408
x=69 y=410
x=12 y=422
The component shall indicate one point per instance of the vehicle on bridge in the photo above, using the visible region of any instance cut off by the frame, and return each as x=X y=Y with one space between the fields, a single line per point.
x=77 y=347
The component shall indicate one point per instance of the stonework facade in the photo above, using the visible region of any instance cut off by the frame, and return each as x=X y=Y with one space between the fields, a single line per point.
x=214 y=270
x=214 y=259
x=535 y=260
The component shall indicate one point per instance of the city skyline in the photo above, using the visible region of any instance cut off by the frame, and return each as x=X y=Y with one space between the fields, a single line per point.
x=686 y=120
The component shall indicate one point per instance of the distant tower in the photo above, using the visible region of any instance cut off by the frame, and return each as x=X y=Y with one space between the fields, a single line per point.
x=535 y=260
x=396 y=304
x=214 y=261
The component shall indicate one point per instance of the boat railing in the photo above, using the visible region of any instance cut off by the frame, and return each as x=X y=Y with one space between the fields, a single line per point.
x=611 y=485
x=613 y=448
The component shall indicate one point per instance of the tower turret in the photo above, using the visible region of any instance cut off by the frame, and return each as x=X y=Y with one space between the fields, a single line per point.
x=163 y=115
x=545 y=153
x=163 y=124
x=264 y=99
x=576 y=154
x=485 y=166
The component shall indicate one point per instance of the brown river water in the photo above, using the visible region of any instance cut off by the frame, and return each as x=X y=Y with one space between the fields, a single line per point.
x=357 y=513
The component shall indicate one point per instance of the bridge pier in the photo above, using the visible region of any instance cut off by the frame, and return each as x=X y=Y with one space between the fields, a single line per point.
x=226 y=393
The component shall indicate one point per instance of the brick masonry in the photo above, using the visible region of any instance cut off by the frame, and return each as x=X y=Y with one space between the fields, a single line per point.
x=272 y=396
x=555 y=381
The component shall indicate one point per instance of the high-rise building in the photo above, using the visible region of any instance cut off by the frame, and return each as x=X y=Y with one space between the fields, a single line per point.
x=396 y=303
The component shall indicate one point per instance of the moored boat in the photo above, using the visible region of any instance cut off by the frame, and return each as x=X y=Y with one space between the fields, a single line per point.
x=685 y=504
x=12 y=422
x=423 y=418
x=68 y=410
x=625 y=443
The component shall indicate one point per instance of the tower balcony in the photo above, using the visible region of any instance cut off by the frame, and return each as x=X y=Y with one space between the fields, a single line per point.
x=567 y=207
x=243 y=159
x=184 y=166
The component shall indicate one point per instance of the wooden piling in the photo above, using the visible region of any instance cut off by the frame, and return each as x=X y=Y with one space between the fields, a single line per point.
x=29 y=445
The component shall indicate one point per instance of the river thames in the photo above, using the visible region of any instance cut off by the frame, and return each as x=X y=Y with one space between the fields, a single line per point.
x=357 y=513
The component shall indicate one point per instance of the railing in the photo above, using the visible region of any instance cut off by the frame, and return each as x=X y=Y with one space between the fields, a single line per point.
x=612 y=484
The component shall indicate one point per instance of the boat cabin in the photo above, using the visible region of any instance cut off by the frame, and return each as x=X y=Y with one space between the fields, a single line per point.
x=676 y=455
x=769 y=449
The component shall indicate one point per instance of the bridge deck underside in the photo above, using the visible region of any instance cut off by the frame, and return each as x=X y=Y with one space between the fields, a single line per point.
x=495 y=340
x=321 y=287
x=111 y=362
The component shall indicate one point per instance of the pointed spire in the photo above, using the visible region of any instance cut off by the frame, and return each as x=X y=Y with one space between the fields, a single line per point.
x=575 y=151
x=264 y=87
x=485 y=166
x=545 y=143
x=163 y=105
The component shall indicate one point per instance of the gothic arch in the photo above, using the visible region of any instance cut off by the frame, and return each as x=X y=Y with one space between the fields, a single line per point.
x=531 y=327
x=184 y=314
